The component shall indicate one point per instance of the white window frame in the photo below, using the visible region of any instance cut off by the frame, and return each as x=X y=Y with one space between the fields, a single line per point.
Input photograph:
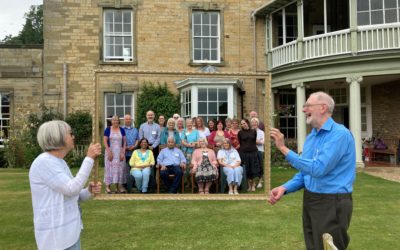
x=284 y=27
x=384 y=9
x=186 y=103
x=3 y=119
x=208 y=114
x=287 y=117
x=336 y=94
x=123 y=106
x=125 y=57
x=201 y=37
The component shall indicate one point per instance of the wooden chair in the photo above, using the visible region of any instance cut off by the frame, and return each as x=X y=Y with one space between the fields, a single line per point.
x=171 y=176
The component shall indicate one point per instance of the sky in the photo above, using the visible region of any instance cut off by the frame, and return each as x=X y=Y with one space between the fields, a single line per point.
x=12 y=15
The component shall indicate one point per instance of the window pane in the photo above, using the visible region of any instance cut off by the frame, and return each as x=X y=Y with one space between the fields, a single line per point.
x=391 y=16
x=214 y=18
x=118 y=40
x=223 y=95
x=196 y=17
x=109 y=27
x=118 y=100
x=128 y=100
x=377 y=17
x=127 y=28
x=127 y=40
x=127 y=110
x=110 y=99
x=110 y=112
x=197 y=43
x=118 y=27
x=206 y=18
x=283 y=122
x=118 y=16
x=206 y=55
x=212 y=108
x=214 y=43
x=223 y=108
x=202 y=107
x=376 y=4
x=206 y=43
x=197 y=30
x=197 y=54
x=363 y=18
x=127 y=17
x=206 y=30
x=5 y=100
x=120 y=111
x=214 y=30
x=109 y=16
x=362 y=5
x=118 y=50
x=202 y=94
x=212 y=94
x=214 y=54
x=291 y=122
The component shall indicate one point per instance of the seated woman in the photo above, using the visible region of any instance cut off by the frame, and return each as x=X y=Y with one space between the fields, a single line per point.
x=170 y=131
x=218 y=136
x=141 y=162
x=229 y=159
x=205 y=166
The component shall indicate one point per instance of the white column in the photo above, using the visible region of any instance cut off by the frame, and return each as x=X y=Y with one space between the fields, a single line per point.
x=301 y=118
x=355 y=115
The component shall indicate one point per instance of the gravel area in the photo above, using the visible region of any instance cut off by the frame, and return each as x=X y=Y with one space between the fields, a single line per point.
x=388 y=173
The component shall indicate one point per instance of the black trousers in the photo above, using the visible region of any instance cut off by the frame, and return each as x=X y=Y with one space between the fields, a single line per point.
x=326 y=213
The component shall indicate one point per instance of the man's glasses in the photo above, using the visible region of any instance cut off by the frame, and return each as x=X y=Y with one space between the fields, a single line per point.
x=307 y=105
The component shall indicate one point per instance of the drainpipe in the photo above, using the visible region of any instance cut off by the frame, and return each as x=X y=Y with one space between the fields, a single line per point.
x=65 y=73
x=254 y=60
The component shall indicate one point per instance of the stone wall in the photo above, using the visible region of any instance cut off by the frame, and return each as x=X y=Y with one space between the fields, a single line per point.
x=21 y=78
x=385 y=110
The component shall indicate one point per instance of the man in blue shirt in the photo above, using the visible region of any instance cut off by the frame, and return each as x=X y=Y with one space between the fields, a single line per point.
x=132 y=140
x=171 y=161
x=326 y=172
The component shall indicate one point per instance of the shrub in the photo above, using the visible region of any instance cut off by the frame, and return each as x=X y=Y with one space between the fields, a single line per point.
x=157 y=98
x=277 y=158
x=81 y=124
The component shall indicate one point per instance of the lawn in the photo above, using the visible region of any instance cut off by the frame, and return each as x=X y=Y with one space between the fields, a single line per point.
x=204 y=224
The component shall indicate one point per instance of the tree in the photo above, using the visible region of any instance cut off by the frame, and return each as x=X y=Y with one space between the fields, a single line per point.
x=157 y=98
x=32 y=31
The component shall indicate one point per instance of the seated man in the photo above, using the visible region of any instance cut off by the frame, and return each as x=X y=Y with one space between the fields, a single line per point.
x=171 y=160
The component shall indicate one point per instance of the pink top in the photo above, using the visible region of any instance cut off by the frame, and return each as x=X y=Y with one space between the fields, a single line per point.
x=197 y=157
x=211 y=140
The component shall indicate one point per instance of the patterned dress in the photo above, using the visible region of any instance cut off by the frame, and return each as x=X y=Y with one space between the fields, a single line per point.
x=114 y=170
x=206 y=171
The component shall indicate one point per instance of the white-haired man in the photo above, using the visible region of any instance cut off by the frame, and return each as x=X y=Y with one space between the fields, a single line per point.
x=326 y=172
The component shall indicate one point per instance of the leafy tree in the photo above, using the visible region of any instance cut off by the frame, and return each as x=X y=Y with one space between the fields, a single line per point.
x=157 y=98
x=81 y=125
x=32 y=32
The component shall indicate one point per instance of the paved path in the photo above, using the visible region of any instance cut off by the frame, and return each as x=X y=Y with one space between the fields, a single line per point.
x=388 y=173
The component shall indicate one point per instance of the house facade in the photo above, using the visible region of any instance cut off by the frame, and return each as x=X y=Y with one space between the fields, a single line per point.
x=348 y=48
x=205 y=51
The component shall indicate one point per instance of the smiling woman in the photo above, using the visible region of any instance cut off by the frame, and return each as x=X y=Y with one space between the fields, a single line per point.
x=258 y=194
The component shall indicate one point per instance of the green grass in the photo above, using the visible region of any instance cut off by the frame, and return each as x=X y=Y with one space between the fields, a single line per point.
x=204 y=224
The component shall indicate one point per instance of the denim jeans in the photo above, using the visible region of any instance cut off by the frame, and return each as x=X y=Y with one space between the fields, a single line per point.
x=76 y=246
x=141 y=178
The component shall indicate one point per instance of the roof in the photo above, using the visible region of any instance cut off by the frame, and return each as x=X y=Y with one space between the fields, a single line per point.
x=270 y=7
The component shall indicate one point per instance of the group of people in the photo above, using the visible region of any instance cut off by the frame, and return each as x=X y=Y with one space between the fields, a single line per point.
x=182 y=147
x=326 y=170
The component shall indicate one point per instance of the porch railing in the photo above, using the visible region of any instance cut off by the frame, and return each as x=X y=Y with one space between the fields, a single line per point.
x=284 y=54
x=378 y=37
x=329 y=44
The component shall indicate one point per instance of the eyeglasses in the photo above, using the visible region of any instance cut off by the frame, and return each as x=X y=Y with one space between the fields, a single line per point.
x=307 y=105
x=71 y=133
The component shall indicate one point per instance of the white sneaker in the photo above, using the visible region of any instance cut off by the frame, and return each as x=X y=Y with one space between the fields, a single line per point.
x=259 y=185
x=235 y=192
x=230 y=193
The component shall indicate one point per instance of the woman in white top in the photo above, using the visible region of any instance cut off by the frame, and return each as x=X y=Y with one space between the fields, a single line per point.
x=229 y=159
x=204 y=132
x=55 y=192
x=260 y=146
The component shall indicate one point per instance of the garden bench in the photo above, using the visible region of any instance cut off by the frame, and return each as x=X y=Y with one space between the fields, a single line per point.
x=382 y=154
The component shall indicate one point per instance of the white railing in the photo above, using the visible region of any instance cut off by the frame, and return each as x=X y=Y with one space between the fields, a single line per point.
x=284 y=54
x=380 y=37
x=334 y=43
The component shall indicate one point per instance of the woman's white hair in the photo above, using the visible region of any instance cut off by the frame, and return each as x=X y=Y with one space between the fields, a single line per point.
x=51 y=135
x=256 y=120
